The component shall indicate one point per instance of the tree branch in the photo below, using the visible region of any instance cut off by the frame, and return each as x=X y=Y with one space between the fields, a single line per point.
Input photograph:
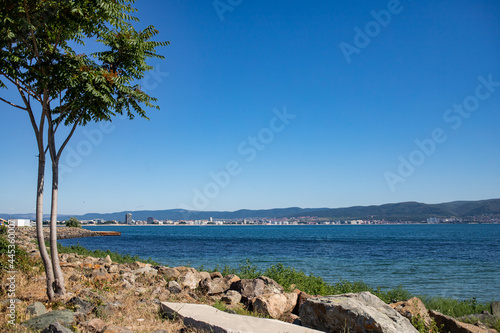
x=32 y=31
x=69 y=137
x=14 y=105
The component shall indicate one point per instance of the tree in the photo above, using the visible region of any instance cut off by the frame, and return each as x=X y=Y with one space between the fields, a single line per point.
x=73 y=222
x=57 y=86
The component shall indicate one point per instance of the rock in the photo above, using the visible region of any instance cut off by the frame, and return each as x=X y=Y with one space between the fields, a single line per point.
x=301 y=299
x=174 y=287
x=117 y=329
x=214 y=286
x=189 y=279
x=160 y=331
x=275 y=305
x=204 y=275
x=231 y=297
x=95 y=325
x=495 y=309
x=170 y=274
x=64 y=317
x=413 y=307
x=214 y=275
x=291 y=318
x=362 y=312
x=81 y=305
x=36 y=309
x=137 y=265
x=252 y=288
x=56 y=328
x=147 y=271
x=452 y=325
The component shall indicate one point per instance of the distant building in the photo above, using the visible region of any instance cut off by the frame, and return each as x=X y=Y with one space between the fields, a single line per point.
x=20 y=222
x=151 y=220
x=432 y=220
x=128 y=218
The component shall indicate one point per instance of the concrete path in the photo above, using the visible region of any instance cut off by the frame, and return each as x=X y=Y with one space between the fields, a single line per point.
x=205 y=317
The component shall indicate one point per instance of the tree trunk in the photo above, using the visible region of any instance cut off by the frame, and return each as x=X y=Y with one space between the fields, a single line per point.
x=39 y=227
x=59 y=288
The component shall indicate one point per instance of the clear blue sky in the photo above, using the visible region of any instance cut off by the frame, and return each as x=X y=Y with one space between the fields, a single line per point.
x=351 y=107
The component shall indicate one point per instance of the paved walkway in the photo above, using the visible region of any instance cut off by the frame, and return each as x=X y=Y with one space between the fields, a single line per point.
x=210 y=319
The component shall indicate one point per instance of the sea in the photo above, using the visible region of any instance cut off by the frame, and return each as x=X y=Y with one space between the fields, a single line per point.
x=460 y=261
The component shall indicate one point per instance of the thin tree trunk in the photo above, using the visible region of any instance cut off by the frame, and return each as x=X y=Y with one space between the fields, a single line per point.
x=59 y=277
x=39 y=227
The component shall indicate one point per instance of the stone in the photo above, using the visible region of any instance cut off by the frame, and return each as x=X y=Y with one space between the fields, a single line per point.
x=209 y=319
x=95 y=325
x=495 y=309
x=169 y=274
x=174 y=287
x=81 y=305
x=56 y=328
x=36 y=309
x=147 y=271
x=231 y=297
x=137 y=265
x=214 y=275
x=360 y=313
x=189 y=279
x=275 y=305
x=413 y=307
x=64 y=317
x=452 y=325
x=116 y=329
x=160 y=331
x=204 y=275
x=302 y=297
x=214 y=286
x=252 y=288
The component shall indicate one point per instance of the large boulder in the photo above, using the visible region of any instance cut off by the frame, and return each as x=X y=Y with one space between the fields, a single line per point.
x=64 y=317
x=56 y=328
x=301 y=299
x=450 y=324
x=217 y=285
x=413 y=308
x=231 y=297
x=36 y=309
x=360 y=313
x=252 y=288
x=189 y=279
x=275 y=305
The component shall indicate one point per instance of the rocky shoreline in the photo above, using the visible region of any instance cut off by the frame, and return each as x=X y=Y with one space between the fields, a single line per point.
x=104 y=296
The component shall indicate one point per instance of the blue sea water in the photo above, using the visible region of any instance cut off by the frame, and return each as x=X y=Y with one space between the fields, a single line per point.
x=459 y=261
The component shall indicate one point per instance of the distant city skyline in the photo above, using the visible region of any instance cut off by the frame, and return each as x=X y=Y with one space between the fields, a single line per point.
x=289 y=104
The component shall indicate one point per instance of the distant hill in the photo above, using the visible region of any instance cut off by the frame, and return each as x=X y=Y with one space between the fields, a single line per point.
x=412 y=210
x=181 y=214
x=395 y=211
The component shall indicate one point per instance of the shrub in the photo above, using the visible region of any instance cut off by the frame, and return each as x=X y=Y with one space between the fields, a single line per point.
x=73 y=223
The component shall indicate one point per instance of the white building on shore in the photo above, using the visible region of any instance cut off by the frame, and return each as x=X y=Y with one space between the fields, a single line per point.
x=21 y=222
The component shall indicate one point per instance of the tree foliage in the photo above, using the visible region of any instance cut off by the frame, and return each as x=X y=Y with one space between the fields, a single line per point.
x=73 y=222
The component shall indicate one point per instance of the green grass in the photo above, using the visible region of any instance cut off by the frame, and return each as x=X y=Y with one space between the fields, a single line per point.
x=115 y=256
x=290 y=278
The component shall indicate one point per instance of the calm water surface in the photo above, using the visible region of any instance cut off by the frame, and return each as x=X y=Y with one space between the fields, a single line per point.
x=460 y=261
